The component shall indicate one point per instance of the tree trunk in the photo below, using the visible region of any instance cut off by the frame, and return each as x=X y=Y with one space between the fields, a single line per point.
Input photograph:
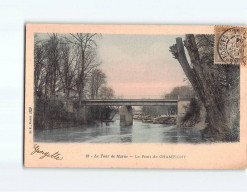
x=204 y=86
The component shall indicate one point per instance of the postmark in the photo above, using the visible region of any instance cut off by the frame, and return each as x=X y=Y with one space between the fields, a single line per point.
x=230 y=45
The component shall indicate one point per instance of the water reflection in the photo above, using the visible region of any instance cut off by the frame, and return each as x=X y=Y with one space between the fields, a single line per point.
x=111 y=132
x=182 y=135
x=126 y=134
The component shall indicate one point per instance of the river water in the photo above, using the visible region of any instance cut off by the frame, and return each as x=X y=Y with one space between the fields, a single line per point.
x=111 y=132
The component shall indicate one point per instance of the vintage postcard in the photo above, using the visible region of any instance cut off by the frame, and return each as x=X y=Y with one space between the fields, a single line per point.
x=135 y=96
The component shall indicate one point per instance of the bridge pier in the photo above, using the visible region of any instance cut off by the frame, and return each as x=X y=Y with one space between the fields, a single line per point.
x=126 y=115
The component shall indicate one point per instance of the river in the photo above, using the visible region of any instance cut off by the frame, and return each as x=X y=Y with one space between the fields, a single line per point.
x=111 y=132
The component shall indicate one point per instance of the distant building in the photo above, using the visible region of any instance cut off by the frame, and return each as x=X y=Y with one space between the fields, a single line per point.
x=66 y=92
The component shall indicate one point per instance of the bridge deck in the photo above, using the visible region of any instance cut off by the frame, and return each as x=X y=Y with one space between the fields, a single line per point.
x=130 y=102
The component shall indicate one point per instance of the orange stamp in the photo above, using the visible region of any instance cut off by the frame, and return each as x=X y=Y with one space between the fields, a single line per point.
x=230 y=45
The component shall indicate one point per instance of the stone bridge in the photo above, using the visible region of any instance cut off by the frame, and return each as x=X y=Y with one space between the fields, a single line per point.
x=125 y=111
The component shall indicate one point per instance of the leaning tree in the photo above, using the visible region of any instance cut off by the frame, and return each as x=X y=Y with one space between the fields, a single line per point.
x=216 y=85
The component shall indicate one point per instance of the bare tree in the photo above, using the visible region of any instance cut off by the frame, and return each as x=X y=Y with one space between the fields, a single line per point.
x=97 y=79
x=67 y=70
x=39 y=55
x=107 y=93
x=52 y=65
x=85 y=45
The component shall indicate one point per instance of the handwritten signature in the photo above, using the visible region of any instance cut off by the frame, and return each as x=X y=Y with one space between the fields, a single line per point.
x=56 y=155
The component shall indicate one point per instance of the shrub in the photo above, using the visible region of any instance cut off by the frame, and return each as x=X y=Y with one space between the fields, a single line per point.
x=193 y=112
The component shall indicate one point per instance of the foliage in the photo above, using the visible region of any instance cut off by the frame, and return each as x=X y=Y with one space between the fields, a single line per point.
x=101 y=112
x=107 y=93
x=180 y=92
x=193 y=112
x=51 y=114
x=234 y=133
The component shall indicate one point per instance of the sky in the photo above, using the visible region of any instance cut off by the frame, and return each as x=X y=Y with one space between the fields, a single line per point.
x=140 y=66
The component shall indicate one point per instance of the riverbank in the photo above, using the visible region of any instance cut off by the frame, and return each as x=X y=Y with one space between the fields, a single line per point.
x=56 y=123
x=54 y=114
x=156 y=119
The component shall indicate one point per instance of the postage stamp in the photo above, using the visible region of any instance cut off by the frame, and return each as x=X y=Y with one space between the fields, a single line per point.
x=230 y=45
